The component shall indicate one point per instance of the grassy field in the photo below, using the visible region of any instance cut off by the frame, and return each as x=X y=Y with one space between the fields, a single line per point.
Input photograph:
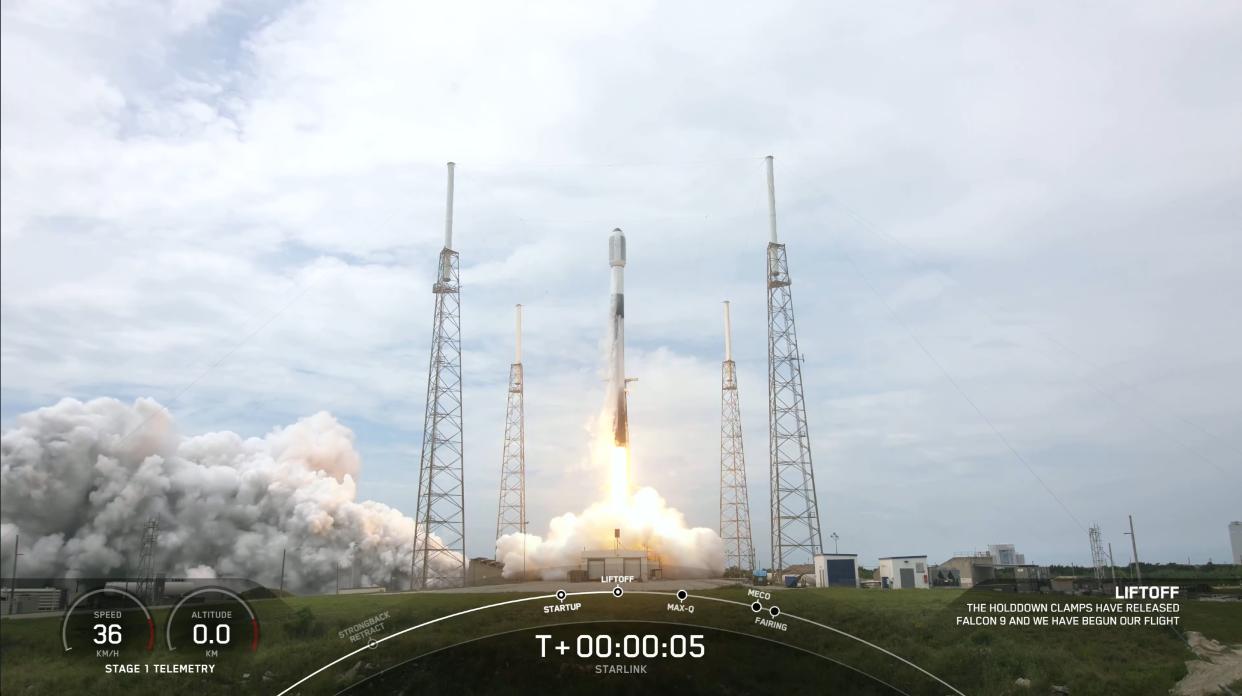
x=302 y=634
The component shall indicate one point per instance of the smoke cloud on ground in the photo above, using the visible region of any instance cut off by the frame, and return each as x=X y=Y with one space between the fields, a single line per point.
x=646 y=522
x=78 y=482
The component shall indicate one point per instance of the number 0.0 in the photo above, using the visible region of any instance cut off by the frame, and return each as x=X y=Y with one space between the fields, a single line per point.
x=202 y=636
x=108 y=634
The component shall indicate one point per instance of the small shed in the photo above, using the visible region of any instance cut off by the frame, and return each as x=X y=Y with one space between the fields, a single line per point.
x=485 y=571
x=903 y=572
x=1063 y=583
x=964 y=571
x=836 y=570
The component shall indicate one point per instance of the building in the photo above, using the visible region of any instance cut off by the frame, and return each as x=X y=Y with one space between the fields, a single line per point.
x=964 y=571
x=1005 y=555
x=613 y=562
x=485 y=571
x=1235 y=542
x=1026 y=578
x=31 y=600
x=903 y=572
x=1063 y=584
x=836 y=570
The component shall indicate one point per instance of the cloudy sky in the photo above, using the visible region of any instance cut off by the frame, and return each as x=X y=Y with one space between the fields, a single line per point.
x=1013 y=232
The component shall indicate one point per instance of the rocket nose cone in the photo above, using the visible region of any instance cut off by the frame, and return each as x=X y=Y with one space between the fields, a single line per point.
x=616 y=248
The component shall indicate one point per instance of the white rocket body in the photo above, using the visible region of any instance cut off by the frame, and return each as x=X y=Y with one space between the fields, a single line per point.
x=616 y=263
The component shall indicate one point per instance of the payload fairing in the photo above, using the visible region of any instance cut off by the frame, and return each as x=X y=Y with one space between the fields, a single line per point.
x=616 y=377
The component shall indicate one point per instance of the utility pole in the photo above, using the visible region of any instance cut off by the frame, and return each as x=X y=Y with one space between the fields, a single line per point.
x=1138 y=573
x=1112 y=567
x=834 y=538
x=282 y=569
x=13 y=587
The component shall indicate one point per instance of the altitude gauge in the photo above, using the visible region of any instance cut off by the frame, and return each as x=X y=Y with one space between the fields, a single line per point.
x=212 y=621
x=107 y=623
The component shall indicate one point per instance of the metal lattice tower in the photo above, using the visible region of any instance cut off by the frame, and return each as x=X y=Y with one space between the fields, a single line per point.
x=511 y=515
x=441 y=485
x=146 y=561
x=795 y=511
x=1098 y=557
x=734 y=500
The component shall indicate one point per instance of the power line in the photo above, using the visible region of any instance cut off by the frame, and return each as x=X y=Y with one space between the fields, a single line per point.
x=988 y=421
x=227 y=354
x=871 y=228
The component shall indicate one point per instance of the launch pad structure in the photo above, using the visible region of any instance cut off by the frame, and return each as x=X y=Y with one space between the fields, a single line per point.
x=439 y=556
x=511 y=512
x=145 y=588
x=439 y=553
x=1098 y=558
x=794 y=508
x=734 y=499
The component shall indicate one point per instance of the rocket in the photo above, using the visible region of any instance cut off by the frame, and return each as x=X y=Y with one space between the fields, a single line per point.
x=616 y=376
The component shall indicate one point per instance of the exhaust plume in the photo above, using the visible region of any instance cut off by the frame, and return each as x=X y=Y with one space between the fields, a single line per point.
x=79 y=490
x=646 y=522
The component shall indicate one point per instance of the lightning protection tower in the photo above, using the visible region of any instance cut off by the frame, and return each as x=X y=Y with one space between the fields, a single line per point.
x=734 y=501
x=439 y=558
x=146 y=561
x=1098 y=556
x=511 y=516
x=795 y=511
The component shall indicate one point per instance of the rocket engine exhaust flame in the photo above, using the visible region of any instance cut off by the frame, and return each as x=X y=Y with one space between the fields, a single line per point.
x=619 y=480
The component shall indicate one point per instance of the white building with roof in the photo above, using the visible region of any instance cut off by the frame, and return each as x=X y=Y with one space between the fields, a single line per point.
x=903 y=572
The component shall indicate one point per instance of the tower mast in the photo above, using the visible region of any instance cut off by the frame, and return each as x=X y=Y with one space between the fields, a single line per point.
x=439 y=558
x=795 y=511
x=511 y=515
x=1097 y=553
x=734 y=500
x=146 y=561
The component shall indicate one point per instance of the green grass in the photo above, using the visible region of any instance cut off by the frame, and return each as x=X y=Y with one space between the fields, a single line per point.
x=917 y=625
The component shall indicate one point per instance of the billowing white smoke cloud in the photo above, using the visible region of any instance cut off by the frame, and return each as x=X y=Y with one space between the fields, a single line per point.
x=645 y=521
x=79 y=491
